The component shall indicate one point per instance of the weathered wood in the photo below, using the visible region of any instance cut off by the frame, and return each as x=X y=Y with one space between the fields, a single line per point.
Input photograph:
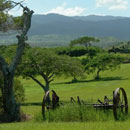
x=51 y=103
x=120 y=102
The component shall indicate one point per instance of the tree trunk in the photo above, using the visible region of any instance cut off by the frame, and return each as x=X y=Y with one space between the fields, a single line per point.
x=97 y=76
x=46 y=102
x=74 y=80
x=11 y=108
x=47 y=89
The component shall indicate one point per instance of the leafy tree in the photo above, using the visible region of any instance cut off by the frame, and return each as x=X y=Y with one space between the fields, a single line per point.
x=48 y=65
x=102 y=62
x=93 y=51
x=72 y=67
x=85 y=41
x=11 y=108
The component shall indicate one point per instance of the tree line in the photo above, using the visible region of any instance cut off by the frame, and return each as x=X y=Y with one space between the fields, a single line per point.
x=50 y=63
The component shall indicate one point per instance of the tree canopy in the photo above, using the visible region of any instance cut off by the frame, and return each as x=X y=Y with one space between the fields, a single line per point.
x=47 y=64
x=102 y=62
x=85 y=41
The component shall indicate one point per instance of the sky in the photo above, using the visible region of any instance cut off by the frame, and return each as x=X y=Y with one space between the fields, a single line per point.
x=77 y=7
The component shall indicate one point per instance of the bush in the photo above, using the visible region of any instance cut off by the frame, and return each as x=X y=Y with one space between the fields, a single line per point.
x=19 y=91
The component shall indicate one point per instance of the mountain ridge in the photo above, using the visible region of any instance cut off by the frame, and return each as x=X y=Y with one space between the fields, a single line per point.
x=100 y=26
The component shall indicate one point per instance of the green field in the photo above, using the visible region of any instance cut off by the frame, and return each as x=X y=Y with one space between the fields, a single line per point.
x=87 y=89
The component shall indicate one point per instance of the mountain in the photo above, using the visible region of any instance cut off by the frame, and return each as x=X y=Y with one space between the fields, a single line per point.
x=98 y=26
x=49 y=18
x=99 y=18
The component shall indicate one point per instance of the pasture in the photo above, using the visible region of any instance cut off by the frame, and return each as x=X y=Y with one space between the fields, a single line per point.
x=87 y=89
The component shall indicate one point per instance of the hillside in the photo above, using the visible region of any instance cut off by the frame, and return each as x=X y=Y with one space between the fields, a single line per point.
x=57 y=30
x=105 y=26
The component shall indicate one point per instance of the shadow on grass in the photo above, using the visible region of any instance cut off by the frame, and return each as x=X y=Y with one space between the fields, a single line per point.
x=40 y=104
x=31 y=104
x=94 y=80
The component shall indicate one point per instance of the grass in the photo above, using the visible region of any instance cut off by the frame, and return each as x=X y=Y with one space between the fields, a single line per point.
x=76 y=113
x=67 y=126
x=88 y=90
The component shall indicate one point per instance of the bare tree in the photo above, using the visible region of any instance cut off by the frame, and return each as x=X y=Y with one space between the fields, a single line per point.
x=11 y=108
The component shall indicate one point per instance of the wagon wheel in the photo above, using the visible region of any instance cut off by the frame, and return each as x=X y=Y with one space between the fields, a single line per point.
x=120 y=103
x=50 y=101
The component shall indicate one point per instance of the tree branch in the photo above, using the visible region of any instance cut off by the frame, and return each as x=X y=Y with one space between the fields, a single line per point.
x=37 y=81
x=4 y=65
x=43 y=76
x=51 y=80
x=27 y=14
x=51 y=76
x=15 y=4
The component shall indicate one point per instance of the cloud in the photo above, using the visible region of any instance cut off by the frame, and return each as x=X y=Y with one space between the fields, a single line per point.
x=16 y=12
x=67 y=11
x=112 y=4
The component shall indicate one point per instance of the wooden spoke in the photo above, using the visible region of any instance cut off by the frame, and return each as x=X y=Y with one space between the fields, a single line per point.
x=50 y=101
x=120 y=103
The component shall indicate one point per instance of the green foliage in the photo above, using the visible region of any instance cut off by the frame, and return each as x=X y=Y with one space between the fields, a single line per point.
x=102 y=62
x=48 y=65
x=4 y=5
x=71 y=51
x=72 y=67
x=11 y=52
x=122 y=47
x=37 y=60
x=77 y=51
x=19 y=91
x=18 y=22
x=93 y=51
x=7 y=21
x=11 y=49
x=85 y=41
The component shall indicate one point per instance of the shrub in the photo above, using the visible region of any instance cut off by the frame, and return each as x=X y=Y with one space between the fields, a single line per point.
x=19 y=91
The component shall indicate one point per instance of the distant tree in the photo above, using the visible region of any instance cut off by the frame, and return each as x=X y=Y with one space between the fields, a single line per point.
x=85 y=41
x=72 y=67
x=48 y=65
x=93 y=51
x=102 y=62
